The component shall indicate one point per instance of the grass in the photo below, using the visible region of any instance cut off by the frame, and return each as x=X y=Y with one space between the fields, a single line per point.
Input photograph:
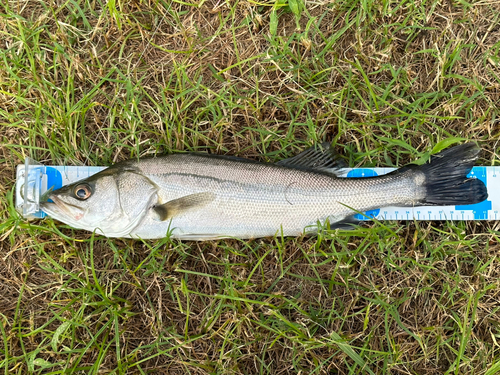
x=94 y=82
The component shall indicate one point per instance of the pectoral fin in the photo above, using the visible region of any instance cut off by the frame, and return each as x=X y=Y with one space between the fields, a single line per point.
x=182 y=205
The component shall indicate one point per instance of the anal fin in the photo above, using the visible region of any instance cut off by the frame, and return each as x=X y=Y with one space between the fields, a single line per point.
x=348 y=223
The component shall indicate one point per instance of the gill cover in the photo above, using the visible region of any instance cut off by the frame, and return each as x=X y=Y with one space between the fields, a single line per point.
x=112 y=202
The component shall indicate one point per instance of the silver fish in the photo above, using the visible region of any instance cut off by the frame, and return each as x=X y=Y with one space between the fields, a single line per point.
x=200 y=196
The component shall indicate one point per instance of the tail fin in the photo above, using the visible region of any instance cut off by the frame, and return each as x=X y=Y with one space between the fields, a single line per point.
x=446 y=177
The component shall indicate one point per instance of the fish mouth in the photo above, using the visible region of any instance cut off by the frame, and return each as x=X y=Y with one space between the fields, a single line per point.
x=58 y=209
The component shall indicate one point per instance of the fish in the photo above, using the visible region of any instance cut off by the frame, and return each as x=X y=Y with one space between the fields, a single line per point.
x=196 y=196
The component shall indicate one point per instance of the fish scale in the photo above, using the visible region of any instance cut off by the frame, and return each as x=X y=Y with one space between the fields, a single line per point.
x=257 y=200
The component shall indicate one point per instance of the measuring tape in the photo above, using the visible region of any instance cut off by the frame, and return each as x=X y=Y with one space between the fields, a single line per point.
x=34 y=179
x=488 y=209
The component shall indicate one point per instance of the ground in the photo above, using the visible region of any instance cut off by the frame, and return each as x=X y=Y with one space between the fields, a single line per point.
x=91 y=83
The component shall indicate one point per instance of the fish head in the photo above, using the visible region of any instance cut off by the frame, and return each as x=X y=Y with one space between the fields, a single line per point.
x=112 y=202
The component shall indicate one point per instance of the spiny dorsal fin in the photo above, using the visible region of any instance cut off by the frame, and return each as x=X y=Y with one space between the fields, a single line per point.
x=182 y=205
x=318 y=157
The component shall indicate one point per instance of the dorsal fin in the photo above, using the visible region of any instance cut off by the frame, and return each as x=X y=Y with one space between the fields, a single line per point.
x=319 y=157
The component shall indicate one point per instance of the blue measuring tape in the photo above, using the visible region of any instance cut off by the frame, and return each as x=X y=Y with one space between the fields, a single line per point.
x=33 y=179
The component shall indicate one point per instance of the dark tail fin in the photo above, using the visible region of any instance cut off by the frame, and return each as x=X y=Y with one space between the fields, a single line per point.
x=446 y=177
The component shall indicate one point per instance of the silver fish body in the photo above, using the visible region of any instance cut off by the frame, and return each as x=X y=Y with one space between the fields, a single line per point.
x=199 y=197
x=259 y=200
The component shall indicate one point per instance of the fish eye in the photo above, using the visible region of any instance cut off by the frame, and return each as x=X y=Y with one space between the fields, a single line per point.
x=82 y=191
